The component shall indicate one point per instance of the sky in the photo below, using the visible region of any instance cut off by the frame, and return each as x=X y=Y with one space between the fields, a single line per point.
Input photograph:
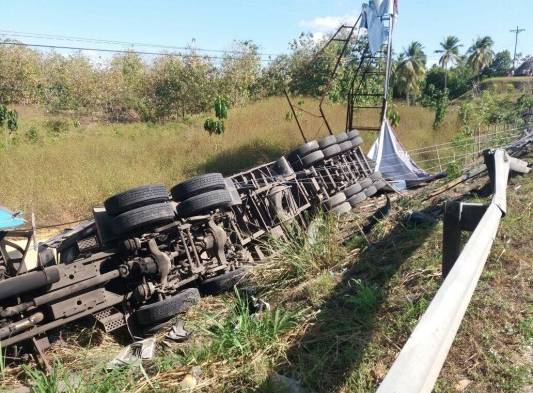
x=270 y=24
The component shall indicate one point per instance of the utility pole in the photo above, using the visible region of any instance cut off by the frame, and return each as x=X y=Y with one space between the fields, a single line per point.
x=516 y=31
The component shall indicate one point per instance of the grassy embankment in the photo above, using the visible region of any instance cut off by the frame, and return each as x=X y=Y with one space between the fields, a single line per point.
x=341 y=311
x=62 y=176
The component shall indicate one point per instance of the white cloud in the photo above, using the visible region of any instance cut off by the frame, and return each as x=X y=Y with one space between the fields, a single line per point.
x=324 y=24
x=319 y=36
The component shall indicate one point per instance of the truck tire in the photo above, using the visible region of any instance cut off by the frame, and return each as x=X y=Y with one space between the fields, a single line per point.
x=197 y=185
x=151 y=330
x=353 y=134
x=221 y=283
x=334 y=200
x=379 y=184
x=153 y=313
x=309 y=160
x=345 y=146
x=205 y=202
x=352 y=190
x=366 y=182
x=357 y=141
x=327 y=141
x=142 y=218
x=342 y=137
x=303 y=150
x=331 y=151
x=356 y=199
x=341 y=209
x=377 y=175
x=370 y=190
x=135 y=197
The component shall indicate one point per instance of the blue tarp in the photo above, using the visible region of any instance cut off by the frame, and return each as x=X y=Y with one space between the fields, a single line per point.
x=8 y=219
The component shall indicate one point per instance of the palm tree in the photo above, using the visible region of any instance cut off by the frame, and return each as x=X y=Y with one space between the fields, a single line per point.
x=480 y=54
x=411 y=69
x=450 y=54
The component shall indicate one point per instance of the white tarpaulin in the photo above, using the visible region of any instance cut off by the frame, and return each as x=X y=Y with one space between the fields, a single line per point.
x=393 y=161
x=373 y=15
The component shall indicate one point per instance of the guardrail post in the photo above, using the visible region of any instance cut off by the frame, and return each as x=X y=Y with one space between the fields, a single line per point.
x=451 y=236
x=458 y=216
x=488 y=157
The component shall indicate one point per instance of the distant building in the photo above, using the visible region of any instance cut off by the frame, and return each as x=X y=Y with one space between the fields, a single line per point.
x=526 y=68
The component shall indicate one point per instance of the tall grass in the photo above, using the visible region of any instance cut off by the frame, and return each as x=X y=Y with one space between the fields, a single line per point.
x=62 y=176
x=242 y=333
x=301 y=254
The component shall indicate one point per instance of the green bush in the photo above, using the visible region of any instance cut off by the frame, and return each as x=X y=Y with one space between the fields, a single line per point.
x=32 y=135
x=57 y=127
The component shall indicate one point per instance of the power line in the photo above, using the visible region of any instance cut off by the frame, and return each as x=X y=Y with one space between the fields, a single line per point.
x=107 y=50
x=11 y=33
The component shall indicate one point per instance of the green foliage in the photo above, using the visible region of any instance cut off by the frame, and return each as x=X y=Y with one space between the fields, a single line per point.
x=459 y=80
x=2 y=363
x=501 y=65
x=42 y=382
x=9 y=119
x=242 y=333
x=57 y=127
x=32 y=135
x=453 y=170
x=450 y=54
x=366 y=297
x=410 y=70
x=221 y=108
x=480 y=54
x=438 y=100
x=489 y=108
x=212 y=126
x=217 y=127
x=393 y=115
x=301 y=254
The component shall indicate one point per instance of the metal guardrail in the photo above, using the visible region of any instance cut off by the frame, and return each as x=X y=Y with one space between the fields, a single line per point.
x=419 y=362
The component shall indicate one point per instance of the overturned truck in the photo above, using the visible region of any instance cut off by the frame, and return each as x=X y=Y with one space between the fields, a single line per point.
x=149 y=252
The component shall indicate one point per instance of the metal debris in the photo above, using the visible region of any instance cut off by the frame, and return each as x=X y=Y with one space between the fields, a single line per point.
x=134 y=354
x=178 y=333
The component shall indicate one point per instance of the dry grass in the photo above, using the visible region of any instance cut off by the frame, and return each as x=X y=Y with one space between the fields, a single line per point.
x=62 y=177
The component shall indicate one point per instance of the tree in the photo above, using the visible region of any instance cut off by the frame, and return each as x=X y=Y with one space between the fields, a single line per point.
x=240 y=72
x=480 y=54
x=450 y=54
x=501 y=65
x=411 y=69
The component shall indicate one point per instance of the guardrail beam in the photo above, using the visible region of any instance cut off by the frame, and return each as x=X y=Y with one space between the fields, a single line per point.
x=418 y=364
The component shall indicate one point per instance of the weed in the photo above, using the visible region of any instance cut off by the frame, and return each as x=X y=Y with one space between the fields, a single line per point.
x=32 y=135
x=454 y=170
x=42 y=382
x=365 y=298
x=2 y=364
x=57 y=127
x=302 y=254
x=242 y=333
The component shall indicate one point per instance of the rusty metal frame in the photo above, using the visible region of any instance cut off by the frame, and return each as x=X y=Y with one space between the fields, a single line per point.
x=334 y=38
